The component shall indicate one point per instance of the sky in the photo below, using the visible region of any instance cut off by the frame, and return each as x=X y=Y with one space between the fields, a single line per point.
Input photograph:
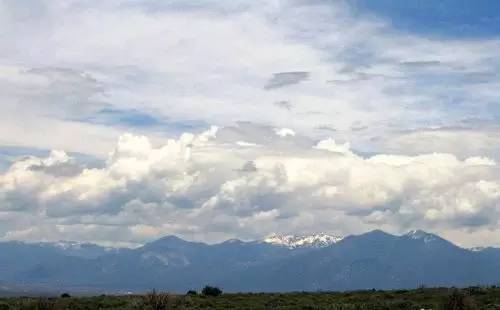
x=123 y=121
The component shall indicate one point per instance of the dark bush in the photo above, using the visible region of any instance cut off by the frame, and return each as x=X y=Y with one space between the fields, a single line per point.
x=211 y=291
x=65 y=295
x=192 y=292
x=477 y=290
x=459 y=301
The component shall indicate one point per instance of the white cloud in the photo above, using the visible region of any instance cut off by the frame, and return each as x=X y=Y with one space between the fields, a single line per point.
x=483 y=140
x=330 y=145
x=402 y=96
x=146 y=191
x=211 y=62
x=283 y=132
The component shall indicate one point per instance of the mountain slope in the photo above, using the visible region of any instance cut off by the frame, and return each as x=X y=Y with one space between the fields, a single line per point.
x=382 y=261
x=372 y=260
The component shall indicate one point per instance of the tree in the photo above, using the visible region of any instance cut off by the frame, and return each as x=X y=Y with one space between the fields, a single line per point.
x=211 y=291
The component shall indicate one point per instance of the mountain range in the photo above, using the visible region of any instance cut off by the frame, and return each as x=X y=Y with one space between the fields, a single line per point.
x=278 y=263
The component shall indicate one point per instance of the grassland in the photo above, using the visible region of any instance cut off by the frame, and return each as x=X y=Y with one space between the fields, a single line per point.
x=436 y=298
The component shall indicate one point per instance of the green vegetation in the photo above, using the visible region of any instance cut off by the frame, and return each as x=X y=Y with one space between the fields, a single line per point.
x=211 y=291
x=422 y=298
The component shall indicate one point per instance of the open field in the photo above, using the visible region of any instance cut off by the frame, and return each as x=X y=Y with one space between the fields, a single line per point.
x=425 y=298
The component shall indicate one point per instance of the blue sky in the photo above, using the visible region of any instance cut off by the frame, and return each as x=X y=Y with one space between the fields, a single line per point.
x=446 y=19
x=122 y=121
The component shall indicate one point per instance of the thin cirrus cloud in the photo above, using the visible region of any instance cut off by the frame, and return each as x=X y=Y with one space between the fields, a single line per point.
x=283 y=79
x=348 y=71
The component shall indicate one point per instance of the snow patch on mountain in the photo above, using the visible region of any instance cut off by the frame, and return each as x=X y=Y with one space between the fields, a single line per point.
x=77 y=246
x=66 y=245
x=167 y=259
x=477 y=248
x=292 y=241
x=421 y=235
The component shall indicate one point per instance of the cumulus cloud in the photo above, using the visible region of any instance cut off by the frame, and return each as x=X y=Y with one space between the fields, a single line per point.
x=58 y=164
x=330 y=145
x=199 y=186
x=283 y=132
x=274 y=166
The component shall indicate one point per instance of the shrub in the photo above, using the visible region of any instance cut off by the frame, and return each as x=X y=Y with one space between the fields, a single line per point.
x=192 y=292
x=39 y=304
x=155 y=301
x=477 y=290
x=46 y=304
x=459 y=301
x=211 y=291
x=65 y=295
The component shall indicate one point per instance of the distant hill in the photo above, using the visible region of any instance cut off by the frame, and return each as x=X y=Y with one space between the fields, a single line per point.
x=278 y=263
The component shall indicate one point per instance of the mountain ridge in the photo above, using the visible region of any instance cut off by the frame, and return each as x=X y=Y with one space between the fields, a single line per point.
x=302 y=240
x=371 y=260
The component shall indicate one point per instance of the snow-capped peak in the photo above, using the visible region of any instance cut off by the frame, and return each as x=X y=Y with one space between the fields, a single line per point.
x=421 y=235
x=292 y=242
x=65 y=245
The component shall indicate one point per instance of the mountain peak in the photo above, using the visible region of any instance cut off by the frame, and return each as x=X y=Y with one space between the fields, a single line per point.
x=291 y=241
x=169 y=240
x=376 y=233
x=232 y=241
x=421 y=235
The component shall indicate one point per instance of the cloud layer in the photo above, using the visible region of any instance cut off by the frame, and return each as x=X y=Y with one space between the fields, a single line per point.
x=218 y=62
x=227 y=183
x=331 y=119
